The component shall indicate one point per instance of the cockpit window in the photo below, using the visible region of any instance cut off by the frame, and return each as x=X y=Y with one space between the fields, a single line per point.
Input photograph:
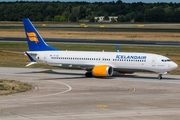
x=167 y=60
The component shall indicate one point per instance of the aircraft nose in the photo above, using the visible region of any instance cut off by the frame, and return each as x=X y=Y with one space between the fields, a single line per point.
x=174 y=65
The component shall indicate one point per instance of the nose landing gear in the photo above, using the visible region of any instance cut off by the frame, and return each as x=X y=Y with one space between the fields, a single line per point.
x=160 y=76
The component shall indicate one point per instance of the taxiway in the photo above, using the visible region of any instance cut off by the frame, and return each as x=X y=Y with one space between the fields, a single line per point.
x=67 y=94
x=96 y=41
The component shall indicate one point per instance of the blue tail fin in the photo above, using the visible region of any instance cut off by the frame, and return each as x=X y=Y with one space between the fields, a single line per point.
x=35 y=42
x=117 y=49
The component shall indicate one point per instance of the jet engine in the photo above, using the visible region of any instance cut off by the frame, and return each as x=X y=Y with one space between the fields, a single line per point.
x=102 y=71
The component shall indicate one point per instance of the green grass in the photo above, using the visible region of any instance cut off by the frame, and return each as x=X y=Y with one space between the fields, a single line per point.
x=19 y=60
x=11 y=87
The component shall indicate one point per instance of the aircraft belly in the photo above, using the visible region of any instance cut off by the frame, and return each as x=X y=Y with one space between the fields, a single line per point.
x=132 y=70
x=132 y=67
x=72 y=66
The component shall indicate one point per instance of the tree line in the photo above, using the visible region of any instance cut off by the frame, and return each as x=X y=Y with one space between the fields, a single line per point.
x=75 y=11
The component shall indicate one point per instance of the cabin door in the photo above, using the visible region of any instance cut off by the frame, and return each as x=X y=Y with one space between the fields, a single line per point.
x=45 y=58
x=154 y=62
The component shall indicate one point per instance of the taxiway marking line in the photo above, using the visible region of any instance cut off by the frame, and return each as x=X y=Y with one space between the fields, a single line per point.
x=70 y=104
x=102 y=106
x=134 y=89
x=69 y=89
x=148 y=103
x=42 y=73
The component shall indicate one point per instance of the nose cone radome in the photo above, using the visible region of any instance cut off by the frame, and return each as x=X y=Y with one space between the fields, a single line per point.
x=174 y=65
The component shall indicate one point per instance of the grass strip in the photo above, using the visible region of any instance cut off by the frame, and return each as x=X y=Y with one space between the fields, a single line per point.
x=11 y=87
x=94 y=34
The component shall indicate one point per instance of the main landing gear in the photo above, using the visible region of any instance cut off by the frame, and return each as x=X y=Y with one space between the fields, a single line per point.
x=160 y=76
x=88 y=74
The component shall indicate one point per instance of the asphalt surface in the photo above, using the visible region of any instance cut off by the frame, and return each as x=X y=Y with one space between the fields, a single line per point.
x=68 y=95
x=96 y=41
x=97 y=28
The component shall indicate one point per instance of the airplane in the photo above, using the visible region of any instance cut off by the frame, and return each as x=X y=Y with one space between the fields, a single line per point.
x=98 y=64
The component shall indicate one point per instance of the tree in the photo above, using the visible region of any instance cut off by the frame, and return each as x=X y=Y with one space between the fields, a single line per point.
x=139 y=17
x=106 y=17
x=119 y=2
x=128 y=17
x=49 y=10
x=113 y=14
x=72 y=18
x=132 y=15
x=88 y=12
x=82 y=12
x=75 y=11
x=177 y=15
x=100 y=13
x=2 y=8
x=90 y=18
x=121 y=18
x=168 y=14
x=59 y=18
x=48 y=18
x=66 y=14
x=156 y=14
x=39 y=11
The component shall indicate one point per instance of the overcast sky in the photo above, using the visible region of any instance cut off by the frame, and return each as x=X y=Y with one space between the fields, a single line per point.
x=127 y=1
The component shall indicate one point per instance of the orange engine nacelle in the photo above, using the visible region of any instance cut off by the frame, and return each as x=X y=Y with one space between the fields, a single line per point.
x=102 y=71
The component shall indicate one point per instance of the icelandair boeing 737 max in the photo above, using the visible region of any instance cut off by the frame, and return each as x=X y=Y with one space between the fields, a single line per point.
x=100 y=64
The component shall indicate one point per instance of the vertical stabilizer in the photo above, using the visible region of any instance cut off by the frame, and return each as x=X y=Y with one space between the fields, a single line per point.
x=117 y=49
x=35 y=42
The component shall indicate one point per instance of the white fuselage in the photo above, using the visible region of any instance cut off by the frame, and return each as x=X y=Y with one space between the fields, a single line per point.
x=119 y=61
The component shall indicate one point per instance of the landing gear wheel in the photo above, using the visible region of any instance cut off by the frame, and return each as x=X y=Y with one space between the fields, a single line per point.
x=88 y=74
x=160 y=76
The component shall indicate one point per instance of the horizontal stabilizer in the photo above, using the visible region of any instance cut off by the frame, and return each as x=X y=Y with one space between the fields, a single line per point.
x=32 y=60
x=14 y=52
x=30 y=64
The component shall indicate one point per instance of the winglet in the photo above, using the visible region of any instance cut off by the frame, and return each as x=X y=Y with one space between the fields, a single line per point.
x=32 y=60
x=117 y=49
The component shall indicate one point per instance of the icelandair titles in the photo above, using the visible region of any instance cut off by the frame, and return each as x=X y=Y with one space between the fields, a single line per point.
x=130 y=57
